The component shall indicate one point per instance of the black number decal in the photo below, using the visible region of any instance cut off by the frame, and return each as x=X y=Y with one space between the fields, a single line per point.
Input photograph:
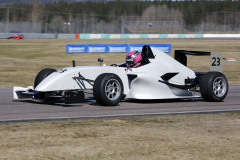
x=216 y=61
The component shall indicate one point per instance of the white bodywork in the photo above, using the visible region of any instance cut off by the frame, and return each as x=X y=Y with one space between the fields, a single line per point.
x=145 y=86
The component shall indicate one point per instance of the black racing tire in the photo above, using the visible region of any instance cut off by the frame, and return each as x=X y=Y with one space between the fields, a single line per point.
x=42 y=75
x=108 y=89
x=214 y=87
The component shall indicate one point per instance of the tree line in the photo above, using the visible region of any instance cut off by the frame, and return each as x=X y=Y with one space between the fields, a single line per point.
x=187 y=13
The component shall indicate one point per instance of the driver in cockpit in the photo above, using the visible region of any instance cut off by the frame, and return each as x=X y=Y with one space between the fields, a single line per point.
x=134 y=59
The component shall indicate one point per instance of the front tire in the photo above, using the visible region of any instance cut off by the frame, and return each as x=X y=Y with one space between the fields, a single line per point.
x=42 y=75
x=214 y=87
x=108 y=89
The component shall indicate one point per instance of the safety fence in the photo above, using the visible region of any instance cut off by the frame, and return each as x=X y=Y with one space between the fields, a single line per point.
x=152 y=36
x=136 y=36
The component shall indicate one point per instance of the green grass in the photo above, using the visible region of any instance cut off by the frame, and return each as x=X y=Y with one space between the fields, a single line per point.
x=188 y=137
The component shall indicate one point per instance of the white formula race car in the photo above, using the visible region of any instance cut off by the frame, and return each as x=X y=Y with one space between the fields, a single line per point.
x=161 y=77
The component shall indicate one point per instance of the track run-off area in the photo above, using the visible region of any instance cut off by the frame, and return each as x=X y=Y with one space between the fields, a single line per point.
x=31 y=110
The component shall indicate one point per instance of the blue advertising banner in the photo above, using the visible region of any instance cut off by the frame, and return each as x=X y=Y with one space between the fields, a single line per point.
x=118 y=48
x=77 y=48
x=97 y=47
x=136 y=47
x=162 y=47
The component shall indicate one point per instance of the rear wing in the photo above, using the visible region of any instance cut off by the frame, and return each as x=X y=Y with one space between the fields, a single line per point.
x=180 y=55
x=215 y=60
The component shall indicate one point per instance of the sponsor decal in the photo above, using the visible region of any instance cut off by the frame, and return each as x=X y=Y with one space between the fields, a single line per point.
x=164 y=49
x=76 y=49
x=96 y=49
x=117 y=49
x=135 y=48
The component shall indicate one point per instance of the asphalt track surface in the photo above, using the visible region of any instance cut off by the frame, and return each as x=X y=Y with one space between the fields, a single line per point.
x=31 y=110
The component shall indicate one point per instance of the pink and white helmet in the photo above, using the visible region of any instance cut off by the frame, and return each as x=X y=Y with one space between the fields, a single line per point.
x=133 y=59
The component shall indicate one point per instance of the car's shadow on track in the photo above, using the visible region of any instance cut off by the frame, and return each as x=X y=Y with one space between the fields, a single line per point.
x=134 y=101
x=90 y=101
x=99 y=105
x=53 y=103
x=164 y=100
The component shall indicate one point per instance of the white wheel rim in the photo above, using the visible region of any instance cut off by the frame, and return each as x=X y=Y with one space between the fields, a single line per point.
x=112 y=89
x=219 y=87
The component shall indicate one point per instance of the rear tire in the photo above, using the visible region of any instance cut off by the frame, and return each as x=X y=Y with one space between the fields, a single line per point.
x=214 y=87
x=108 y=89
x=42 y=75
